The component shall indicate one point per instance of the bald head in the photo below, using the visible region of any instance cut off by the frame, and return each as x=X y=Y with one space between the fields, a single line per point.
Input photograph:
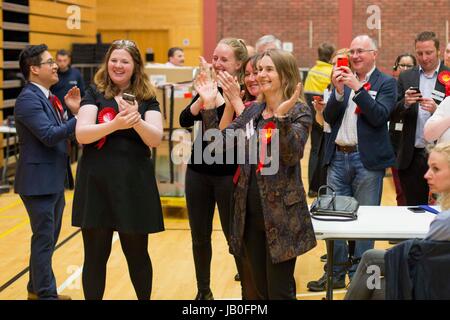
x=363 y=54
x=367 y=39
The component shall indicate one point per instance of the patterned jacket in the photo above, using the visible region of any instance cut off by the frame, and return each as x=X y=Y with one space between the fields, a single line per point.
x=289 y=230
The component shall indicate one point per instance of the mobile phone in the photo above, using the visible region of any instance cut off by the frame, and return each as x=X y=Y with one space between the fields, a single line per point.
x=317 y=98
x=128 y=98
x=416 y=89
x=416 y=209
x=342 y=62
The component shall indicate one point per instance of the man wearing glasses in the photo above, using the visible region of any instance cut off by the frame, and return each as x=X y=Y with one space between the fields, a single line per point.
x=419 y=93
x=43 y=164
x=358 y=150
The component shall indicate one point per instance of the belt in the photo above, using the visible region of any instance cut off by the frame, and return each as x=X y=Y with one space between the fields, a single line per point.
x=347 y=149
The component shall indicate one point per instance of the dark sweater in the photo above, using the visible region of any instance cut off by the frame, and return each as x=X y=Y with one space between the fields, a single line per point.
x=187 y=120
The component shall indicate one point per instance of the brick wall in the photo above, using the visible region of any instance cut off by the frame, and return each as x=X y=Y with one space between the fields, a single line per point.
x=289 y=20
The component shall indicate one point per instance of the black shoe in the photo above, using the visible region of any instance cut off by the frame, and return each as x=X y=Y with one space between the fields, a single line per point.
x=321 y=284
x=323 y=258
x=237 y=277
x=312 y=194
x=204 y=295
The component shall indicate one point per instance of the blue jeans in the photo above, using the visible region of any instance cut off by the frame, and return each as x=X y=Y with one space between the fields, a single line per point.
x=348 y=177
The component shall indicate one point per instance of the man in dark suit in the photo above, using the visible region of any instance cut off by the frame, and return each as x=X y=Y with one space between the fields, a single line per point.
x=414 y=107
x=358 y=150
x=43 y=164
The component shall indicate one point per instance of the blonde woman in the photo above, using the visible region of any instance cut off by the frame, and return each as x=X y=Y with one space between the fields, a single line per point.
x=438 y=179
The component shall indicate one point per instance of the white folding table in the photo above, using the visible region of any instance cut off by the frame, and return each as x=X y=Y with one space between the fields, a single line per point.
x=373 y=223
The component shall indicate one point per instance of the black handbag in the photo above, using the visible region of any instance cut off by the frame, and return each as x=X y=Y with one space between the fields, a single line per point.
x=330 y=207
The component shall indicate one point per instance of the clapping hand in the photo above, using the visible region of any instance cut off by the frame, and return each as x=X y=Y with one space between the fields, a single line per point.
x=207 y=89
x=73 y=100
x=230 y=86
x=287 y=105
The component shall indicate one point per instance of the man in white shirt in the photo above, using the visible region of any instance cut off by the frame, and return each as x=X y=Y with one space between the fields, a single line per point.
x=176 y=57
x=358 y=149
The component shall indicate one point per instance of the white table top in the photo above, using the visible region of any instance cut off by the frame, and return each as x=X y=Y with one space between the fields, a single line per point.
x=377 y=223
x=6 y=129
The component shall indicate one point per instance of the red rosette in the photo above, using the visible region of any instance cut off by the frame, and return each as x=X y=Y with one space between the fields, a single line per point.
x=447 y=90
x=366 y=87
x=444 y=78
x=266 y=137
x=267 y=131
x=104 y=116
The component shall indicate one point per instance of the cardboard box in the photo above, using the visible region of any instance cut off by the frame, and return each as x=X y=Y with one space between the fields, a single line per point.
x=181 y=79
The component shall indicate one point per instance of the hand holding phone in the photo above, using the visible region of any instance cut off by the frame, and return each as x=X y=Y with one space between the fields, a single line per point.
x=412 y=96
x=317 y=98
x=342 y=62
x=128 y=98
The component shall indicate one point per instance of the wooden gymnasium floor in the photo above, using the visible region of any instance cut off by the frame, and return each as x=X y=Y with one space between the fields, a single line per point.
x=170 y=251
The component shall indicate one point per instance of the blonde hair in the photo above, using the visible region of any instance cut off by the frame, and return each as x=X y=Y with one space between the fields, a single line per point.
x=140 y=85
x=444 y=149
x=240 y=53
x=287 y=69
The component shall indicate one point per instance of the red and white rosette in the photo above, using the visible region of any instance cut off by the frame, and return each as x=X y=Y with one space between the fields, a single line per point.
x=366 y=87
x=266 y=137
x=104 y=116
x=444 y=78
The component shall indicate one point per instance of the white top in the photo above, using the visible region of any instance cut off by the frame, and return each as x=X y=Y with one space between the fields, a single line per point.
x=377 y=223
x=348 y=133
x=438 y=125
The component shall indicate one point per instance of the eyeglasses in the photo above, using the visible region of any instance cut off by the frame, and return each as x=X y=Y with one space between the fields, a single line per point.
x=358 y=52
x=405 y=66
x=50 y=62
x=127 y=43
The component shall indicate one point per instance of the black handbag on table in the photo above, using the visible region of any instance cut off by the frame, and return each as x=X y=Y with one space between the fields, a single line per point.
x=330 y=207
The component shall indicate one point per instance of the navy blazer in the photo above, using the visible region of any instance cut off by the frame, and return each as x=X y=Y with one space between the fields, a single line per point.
x=374 y=146
x=43 y=162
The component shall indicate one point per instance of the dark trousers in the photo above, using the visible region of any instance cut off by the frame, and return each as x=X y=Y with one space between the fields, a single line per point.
x=317 y=174
x=97 y=248
x=45 y=214
x=414 y=185
x=273 y=281
x=401 y=201
x=202 y=193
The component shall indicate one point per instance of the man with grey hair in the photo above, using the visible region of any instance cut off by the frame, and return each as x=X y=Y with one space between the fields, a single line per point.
x=358 y=149
x=267 y=42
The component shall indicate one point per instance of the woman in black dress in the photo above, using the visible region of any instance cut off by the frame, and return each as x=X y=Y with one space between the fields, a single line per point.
x=116 y=188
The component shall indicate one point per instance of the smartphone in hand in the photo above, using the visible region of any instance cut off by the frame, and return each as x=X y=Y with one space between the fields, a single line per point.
x=128 y=98
x=317 y=98
x=342 y=62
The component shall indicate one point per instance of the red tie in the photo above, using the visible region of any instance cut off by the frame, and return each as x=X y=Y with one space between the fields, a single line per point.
x=57 y=105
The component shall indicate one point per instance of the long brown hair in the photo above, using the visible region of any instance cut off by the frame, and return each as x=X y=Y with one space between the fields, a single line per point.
x=287 y=69
x=140 y=85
